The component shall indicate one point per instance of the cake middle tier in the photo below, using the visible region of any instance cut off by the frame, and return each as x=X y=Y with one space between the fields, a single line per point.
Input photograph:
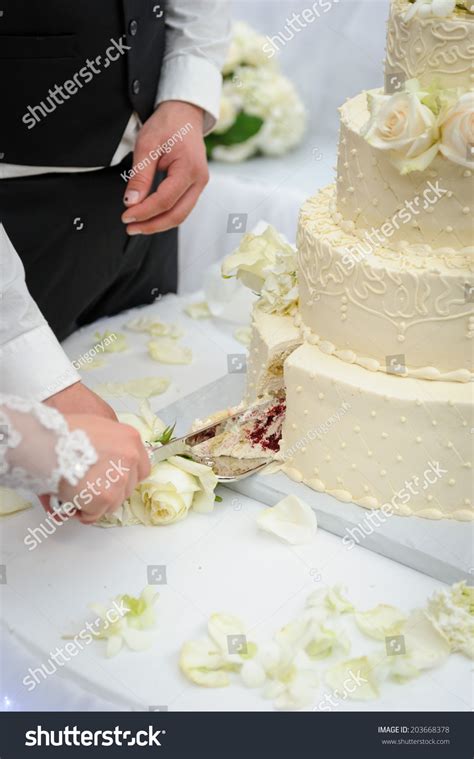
x=392 y=309
x=433 y=208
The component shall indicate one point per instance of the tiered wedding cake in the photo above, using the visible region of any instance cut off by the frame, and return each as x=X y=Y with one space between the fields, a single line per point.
x=377 y=361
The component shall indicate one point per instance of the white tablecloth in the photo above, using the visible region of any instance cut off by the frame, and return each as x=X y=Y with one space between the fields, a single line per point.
x=214 y=562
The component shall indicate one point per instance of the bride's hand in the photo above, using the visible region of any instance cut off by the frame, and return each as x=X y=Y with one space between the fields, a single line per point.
x=122 y=463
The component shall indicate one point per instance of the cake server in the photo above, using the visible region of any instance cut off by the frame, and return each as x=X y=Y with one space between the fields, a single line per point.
x=226 y=468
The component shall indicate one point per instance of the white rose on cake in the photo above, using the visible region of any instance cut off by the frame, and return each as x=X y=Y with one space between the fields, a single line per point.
x=431 y=8
x=457 y=132
x=403 y=125
x=255 y=257
x=266 y=264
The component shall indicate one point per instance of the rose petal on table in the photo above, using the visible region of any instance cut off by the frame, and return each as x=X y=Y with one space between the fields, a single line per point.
x=291 y=520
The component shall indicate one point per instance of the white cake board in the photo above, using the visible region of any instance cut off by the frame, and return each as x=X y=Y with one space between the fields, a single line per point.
x=442 y=549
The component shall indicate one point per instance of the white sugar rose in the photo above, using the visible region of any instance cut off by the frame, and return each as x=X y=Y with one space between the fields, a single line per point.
x=431 y=8
x=457 y=132
x=406 y=127
x=255 y=257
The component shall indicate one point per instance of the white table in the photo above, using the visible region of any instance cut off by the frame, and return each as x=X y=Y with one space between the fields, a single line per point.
x=214 y=562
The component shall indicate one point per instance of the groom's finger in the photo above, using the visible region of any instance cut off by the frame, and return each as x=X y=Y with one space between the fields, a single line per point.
x=171 y=189
x=175 y=216
x=144 y=169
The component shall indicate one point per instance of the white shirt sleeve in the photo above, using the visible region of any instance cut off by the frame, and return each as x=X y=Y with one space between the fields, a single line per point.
x=32 y=362
x=197 y=37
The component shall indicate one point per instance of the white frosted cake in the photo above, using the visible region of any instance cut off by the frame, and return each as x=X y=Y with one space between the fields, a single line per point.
x=376 y=356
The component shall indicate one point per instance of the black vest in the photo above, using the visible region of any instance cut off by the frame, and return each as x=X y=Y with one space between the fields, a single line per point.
x=71 y=74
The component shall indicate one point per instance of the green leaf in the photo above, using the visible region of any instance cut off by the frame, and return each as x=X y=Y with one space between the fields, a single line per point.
x=218 y=499
x=243 y=128
x=166 y=435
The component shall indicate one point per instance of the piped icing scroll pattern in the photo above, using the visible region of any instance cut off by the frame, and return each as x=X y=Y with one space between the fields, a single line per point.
x=426 y=49
x=384 y=286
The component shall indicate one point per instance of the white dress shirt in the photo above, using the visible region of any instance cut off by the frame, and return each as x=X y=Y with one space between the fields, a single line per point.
x=32 y=362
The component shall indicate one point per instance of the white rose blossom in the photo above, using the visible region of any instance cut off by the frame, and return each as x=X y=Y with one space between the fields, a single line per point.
x=270 y=96
x=431 y=9
x=457 y=132
x=246 y=48
x=172 y=488
x=266 y=264
x=406 y=127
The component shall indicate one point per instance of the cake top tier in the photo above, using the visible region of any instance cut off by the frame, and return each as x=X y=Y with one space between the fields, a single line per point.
x=432 y=41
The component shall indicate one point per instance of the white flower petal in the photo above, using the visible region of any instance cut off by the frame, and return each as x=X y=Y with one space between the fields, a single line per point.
x=153 y=327
x=167 y=351
x=253 y=674
x=203 y=665
x=452 y=613
x=114 y=645
x=426 y=646
x=198 y=310
x=11 y=502
x=291 y=520
x=111 y=342
x=225 y=631
x=145 y=387
x=354 y=679
x=381 y=621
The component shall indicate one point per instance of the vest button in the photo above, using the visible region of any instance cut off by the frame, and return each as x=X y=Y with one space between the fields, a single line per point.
x=133 y=28
x=136 y=86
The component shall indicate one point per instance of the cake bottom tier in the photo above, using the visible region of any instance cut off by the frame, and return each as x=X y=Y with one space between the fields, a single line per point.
x=378 y=440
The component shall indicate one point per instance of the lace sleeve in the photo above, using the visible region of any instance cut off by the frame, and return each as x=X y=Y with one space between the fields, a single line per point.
x=37 y=449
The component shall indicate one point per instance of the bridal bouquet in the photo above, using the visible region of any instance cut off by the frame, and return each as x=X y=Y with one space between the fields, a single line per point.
x=261 y=113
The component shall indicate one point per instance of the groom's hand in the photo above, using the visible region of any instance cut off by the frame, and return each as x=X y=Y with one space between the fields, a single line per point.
x=180 y=125
x=78 y=399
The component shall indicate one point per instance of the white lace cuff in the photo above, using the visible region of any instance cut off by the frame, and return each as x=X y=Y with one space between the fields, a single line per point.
x=37 y=449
